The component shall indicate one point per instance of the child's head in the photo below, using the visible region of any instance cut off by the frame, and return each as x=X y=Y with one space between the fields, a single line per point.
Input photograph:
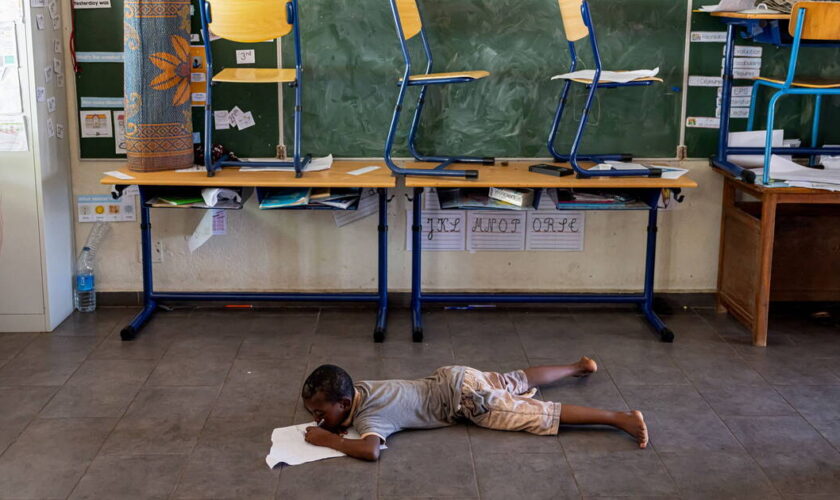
x=328 y=395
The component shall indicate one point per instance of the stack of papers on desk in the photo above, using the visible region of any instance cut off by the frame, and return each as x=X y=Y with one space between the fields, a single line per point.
x=796 y=175
x=316 y=165
x=729 y=6
x=667 y=172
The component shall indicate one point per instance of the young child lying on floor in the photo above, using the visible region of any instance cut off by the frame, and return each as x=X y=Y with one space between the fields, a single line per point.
x=500 y=401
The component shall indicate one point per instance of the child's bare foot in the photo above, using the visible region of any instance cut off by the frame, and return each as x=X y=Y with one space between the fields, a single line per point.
x=633 y=423
x=585 y=366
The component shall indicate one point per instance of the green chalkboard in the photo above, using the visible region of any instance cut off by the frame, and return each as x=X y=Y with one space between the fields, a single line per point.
x=794 y=113
x=353 y=61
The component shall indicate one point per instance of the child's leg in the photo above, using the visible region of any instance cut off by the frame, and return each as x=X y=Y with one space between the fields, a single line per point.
x=541 y=375
x=631 y=422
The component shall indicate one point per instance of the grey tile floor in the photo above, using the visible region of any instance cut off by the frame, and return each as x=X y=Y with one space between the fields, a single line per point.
x=186 y=410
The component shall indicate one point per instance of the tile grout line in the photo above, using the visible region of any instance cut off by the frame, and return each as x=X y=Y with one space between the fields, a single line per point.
x=735 y=436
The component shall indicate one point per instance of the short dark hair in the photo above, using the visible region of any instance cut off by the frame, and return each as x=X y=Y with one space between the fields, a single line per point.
x=330 y=380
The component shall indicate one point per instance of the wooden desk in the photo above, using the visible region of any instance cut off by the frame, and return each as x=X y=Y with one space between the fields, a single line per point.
x=788 y=234
x=337 y=176
x=779 y=16
x=516 y=174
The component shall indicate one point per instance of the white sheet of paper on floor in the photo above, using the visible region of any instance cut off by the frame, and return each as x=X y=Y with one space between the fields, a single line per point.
x=215 y=196
x=96 y=123
x=559 y=231
x=316 y=165
x=443 y=230
x=368 y=205
x=10 y=90
x=289 y=446
x=495 y=230
x=13 y=133
x=752 y=139
x=103 y=207
x=363 y=170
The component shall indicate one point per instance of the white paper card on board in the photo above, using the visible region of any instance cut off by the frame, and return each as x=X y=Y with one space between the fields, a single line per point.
x=234 y=114
x=245 y=56
x=704 y=81
x=51 y=104
x=368 y=205
x=96 y=123
x=40 y=22
x=59 y=130
x=119 y=132
x=443 y=230
x=13 y=133
x=289 y=446
x=702 y=122
x=221 y=120
x=495 y=230
x=245 y=120
x=561 y=230
x=48 y=74
x=103 y=207
x=708 y=36
x=91 y=4
x=50 y=128
x=59 y=79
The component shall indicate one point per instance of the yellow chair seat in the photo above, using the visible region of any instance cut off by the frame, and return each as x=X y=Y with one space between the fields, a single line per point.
x=255 y=75
x=472 y=75
x=807 y=84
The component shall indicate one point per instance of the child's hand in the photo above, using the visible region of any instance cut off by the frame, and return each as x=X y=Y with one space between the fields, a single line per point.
x=319 y=436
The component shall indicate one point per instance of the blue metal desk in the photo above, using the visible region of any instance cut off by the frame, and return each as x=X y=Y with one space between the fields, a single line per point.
x=761 y=28
x=517 y=175
x=337 y=177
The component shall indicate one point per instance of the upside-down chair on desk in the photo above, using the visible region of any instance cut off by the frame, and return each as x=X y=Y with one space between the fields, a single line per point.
x=577 y=25
x=250 y=21
x=809 y=21
x=410 y=24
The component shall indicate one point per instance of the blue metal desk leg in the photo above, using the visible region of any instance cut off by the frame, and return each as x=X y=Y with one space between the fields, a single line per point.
x=149 y=304
x=416 y=260
x=382 y=313
x=665 y=334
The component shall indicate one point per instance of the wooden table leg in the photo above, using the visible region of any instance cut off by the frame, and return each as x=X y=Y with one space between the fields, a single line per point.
x=762 y=299
x=727 y=200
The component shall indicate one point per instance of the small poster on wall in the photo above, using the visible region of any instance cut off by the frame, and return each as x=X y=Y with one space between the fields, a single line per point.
x=119 y=132
x=103 y=207
x=96 y=123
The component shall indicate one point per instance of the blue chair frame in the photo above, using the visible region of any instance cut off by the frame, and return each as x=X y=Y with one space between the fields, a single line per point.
x=404 y=83
x=298 y=161
x=787 y=88
x=574 y=156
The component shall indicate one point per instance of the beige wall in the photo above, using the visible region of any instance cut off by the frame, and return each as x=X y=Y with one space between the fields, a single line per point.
x=273 y=250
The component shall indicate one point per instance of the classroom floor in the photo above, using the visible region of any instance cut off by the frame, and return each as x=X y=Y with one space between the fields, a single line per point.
x=186 y=411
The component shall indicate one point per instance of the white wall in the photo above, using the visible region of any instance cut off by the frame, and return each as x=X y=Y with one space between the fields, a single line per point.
x=273 y=250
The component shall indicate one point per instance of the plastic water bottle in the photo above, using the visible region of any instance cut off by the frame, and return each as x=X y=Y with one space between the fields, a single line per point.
x=84 y=289
x=84 y=293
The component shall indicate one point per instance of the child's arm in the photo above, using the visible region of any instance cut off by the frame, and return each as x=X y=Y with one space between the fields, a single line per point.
x=366 y=448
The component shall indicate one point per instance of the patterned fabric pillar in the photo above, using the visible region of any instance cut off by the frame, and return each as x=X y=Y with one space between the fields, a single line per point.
x=158 y=104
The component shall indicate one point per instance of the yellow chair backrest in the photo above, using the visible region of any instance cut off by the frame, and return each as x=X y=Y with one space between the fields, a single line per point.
x=573 y=20
x=409 y=17
x=249 y=20
x=822 y=20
